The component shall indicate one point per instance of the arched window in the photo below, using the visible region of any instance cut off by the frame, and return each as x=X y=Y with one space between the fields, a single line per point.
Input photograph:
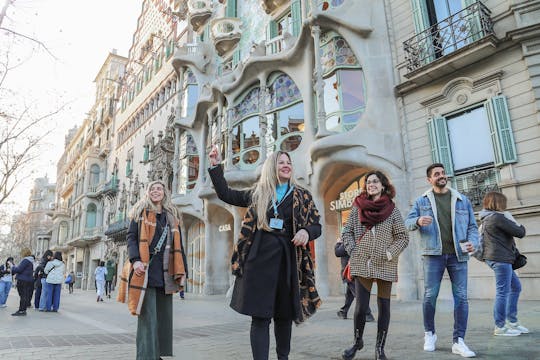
x=91 y=212
x=344 y=85
x=284 y=113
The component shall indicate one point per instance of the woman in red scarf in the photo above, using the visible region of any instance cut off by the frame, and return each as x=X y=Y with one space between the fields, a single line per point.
x=373 y=236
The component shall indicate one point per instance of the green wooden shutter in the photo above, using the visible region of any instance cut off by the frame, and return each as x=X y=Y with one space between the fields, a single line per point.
x=440 y=144
x=236 y=58
x=296 y=15
x=502 y=136
x=230 y=10
x=420 y=15
x=272 y=32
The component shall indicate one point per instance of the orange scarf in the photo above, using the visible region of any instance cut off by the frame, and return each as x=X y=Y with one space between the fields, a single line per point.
x=132 y=287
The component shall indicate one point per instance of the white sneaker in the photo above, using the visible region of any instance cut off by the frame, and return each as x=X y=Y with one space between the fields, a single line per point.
x=505 y=331
x=429 y=341
x=462 y=349
x=517 y=326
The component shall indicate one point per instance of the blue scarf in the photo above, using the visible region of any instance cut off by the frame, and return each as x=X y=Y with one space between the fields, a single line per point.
x=281 y=190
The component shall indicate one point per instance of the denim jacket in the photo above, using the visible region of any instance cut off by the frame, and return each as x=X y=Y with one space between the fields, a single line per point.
x=463 y=223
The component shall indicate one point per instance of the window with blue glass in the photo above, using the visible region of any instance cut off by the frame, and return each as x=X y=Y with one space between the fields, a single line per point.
x=344 y=84
x=191 y=94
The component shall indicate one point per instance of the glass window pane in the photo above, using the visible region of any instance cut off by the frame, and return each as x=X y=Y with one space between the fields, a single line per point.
x=291 y=143
x=250 y=132
x=470 y=140
x=291 y=119
x=352 y=89
x=236 y=140
x=331 y=102
x=251 y=157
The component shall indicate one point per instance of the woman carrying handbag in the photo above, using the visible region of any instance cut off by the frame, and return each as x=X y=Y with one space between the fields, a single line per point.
x=499 y=253
x=374 y=236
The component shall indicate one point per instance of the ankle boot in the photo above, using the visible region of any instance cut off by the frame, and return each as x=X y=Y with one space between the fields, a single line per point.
x=379 y=347
x=348 y=354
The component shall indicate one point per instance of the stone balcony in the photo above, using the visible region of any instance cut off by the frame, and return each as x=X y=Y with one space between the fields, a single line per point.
x=226 y=33
x=199 y=11
x=269 y=6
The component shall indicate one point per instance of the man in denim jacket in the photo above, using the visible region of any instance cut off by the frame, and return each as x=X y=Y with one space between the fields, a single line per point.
x=444 y=217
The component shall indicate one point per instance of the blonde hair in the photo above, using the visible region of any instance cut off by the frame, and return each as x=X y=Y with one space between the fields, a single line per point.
x=264 y=190
x=26 y=252
x=146 y=203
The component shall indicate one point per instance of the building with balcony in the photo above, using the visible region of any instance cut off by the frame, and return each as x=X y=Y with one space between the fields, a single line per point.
x=467 y=91
x=86 y=189
x=345 y=86
x=41 y=200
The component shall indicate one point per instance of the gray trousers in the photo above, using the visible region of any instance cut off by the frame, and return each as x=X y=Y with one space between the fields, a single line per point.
x=155 y=326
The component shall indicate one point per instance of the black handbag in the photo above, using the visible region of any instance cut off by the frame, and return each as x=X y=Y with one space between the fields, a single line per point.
x=520 y=260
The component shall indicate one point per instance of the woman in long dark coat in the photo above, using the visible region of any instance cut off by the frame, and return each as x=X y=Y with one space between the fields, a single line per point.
x=271 y=260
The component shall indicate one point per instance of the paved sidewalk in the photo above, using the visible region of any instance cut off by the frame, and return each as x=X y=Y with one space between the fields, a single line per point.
x=206 y=328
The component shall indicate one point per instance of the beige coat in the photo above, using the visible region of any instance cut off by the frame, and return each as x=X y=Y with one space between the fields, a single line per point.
x=376 y=255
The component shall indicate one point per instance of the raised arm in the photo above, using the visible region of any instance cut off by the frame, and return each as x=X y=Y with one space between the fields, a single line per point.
x=234 y=197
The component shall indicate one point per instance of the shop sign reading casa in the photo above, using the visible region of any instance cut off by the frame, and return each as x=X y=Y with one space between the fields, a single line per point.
x=345 y=200
x=224 y=227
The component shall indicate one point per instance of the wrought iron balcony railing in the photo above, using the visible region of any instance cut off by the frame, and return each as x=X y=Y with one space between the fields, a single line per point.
x=476 y=185
x=460 y=29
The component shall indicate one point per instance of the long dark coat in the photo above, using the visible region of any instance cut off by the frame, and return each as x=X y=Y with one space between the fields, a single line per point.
x=266 y=264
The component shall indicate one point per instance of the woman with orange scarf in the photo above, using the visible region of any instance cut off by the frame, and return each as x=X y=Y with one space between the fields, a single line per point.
x=155 y=272
x=374 y=237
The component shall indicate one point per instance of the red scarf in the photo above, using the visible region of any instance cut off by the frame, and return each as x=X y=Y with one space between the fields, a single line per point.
x=373 y=212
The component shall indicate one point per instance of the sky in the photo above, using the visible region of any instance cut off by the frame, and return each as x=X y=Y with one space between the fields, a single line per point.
x=80 y=35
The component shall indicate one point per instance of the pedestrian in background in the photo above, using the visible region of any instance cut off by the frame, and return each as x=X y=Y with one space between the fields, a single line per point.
x=100 y=273
x=498 y=230
x=55 y=277
x=24 y=273
x=374 y=236
x=155 y=271
x=6 y=281
x=339 y=251
x=276 y=280
x=40 y=285
x=109 y=277
x=448 y=232
x=71 y=278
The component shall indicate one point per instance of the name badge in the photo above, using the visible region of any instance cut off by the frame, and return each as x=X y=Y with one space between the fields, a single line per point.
x=276 y=223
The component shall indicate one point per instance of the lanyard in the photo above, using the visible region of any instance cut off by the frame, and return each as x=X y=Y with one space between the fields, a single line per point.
x=275 y=204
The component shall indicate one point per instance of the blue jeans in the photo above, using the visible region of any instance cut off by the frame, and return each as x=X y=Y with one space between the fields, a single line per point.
x=507 y=289
x=45 y=289
x=434 y=266
x=53 y=298
x=5 y=286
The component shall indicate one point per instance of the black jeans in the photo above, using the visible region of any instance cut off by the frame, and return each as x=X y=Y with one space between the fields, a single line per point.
x=260 y=338
x=25 y=290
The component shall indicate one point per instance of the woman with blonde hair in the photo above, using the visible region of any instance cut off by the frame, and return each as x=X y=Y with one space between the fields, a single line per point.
x=498 y=231
x=155 y=271
x=271 y=260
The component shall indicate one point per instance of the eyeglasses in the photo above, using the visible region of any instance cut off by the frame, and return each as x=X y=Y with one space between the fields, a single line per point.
x=374 y=181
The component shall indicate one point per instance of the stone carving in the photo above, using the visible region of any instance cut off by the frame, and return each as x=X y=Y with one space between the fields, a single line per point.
x=162 y=155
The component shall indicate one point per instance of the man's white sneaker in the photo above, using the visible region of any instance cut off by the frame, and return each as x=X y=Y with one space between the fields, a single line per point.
x=462 y=349
x=517 y=326
x=505 y=331
x=429 y=341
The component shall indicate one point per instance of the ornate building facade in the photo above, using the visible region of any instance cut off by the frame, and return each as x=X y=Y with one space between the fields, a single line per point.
x=345 y=86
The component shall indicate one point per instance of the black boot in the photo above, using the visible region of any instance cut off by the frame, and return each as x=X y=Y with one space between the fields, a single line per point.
x=379 y=348
x=348 y=354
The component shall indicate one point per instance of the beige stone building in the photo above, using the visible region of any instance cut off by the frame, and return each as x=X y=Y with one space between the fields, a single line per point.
x=467 y=91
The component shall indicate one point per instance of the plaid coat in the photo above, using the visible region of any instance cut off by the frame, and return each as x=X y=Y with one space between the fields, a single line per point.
x=369 y=257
